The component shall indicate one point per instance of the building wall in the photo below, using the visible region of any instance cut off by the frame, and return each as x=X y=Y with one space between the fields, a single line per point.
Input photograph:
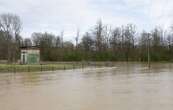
x=30 y=56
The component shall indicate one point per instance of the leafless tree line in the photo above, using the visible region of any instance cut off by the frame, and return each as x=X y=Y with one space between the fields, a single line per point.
x=102 y=43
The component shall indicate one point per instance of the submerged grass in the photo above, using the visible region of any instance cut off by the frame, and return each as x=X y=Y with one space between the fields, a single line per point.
x=50 y=66
x=36 y=68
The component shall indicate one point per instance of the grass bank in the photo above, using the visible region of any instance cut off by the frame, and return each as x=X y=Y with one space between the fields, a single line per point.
x=50 y=66
x=36 y=68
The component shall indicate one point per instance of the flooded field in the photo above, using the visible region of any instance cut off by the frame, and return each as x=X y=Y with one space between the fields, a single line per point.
x=127 y=86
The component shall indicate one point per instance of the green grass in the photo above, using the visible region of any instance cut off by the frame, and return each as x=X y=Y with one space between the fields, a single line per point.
x=49 y=66
x=36 y=68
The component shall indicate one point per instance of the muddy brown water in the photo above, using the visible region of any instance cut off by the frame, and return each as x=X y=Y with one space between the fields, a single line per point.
x=127 y=86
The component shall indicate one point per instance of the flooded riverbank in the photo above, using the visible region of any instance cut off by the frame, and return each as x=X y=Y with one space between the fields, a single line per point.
x=127 y=86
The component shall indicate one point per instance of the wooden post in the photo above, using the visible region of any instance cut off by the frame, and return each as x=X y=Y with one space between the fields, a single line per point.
x=52 y=68
x=41 y=68
x=8 y=69
x=73 y=66
x=28 y=68
x=148 y=51
x=14 y=68
x=82 y=65
x=64 y=67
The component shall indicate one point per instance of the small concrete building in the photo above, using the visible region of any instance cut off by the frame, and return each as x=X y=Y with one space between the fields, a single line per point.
x=30 y=55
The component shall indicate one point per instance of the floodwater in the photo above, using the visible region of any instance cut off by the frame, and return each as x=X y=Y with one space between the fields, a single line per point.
x=127 y=86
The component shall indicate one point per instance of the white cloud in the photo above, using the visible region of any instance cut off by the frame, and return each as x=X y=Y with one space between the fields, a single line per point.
x=161 y=12
x=68 y=15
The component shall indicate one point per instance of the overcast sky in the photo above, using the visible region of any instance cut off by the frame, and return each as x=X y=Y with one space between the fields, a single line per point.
x=68 y=15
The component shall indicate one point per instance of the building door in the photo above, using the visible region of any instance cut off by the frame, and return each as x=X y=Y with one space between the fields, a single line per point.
x=23 y=59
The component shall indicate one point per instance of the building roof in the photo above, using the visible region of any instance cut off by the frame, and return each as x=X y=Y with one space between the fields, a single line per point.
x=29 y=48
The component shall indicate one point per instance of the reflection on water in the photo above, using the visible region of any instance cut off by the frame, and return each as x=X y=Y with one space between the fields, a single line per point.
x=128 y=86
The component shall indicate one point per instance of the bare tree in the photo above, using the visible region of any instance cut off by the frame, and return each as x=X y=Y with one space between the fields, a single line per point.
x=36 y=38
x=77 y=38
x=128 y=37
x=99 y=36
x=62 y=38
x=87 y=42
x=115 y=39
x=27 y=42
x=10 y=25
